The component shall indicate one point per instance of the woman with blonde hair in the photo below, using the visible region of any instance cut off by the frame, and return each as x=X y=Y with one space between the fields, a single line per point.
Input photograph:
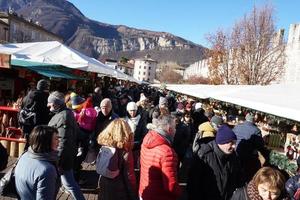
x=267 y=184
x=118 y=137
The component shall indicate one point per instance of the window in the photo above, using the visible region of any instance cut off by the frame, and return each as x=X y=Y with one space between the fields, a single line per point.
x=148 y=73
x=149 y=67
x=144 y=73
x=144 y=67
x=140 y=67
x=139 y=73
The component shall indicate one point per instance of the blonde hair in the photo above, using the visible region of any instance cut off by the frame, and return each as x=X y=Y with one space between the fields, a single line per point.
x=117 y=134
x=271 y=176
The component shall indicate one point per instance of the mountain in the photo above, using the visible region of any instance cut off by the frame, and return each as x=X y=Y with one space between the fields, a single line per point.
x=101 y=40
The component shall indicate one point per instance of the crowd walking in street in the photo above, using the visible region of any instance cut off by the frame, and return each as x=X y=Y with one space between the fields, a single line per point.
x=143 y=142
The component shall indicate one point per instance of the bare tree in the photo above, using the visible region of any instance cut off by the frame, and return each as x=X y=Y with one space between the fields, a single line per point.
x=251 y=53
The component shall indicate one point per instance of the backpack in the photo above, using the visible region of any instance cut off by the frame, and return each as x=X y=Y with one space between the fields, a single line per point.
x=107 y=163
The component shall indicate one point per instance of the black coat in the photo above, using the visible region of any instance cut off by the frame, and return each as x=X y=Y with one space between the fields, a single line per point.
x=36 y=101
x=181 y=139
x=198 y=118
x=213 y=175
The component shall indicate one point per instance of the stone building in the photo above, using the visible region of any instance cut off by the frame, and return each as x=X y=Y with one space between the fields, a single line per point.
x=15 y=29
x=292 y=66
x=144 y=69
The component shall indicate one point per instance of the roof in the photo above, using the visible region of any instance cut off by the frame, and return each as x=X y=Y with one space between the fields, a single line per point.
x=279 y=99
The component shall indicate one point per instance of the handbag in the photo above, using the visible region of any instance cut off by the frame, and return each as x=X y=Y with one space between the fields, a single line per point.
x=8 y=183
x=27 y=117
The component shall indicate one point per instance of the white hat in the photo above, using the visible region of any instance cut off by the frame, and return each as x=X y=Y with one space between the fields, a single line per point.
x=131 y=106
x=198 y=105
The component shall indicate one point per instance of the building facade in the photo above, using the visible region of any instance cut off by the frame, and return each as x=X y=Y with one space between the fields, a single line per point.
x=144 y=69
x=292 y=65
x=15 y=29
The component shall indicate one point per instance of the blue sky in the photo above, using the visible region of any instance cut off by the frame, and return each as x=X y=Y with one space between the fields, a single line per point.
x=189 y=19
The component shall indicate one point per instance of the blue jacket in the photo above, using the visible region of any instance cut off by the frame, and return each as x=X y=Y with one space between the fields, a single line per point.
x=35 y=179
x=292 y=185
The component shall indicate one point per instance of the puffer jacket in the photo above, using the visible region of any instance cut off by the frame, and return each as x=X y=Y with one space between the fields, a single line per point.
x=158 y=179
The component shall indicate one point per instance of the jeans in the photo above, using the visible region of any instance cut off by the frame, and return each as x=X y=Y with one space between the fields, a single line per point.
x=69 y=183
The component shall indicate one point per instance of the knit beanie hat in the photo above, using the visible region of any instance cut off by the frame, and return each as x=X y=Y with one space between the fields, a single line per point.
x=43 y=84
x=131 y=106
x=225 y=135
x=77 y=101
x=162 y=101
x=57 y=98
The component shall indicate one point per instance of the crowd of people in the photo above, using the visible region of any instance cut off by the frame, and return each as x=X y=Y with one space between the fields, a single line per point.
x=151 y=134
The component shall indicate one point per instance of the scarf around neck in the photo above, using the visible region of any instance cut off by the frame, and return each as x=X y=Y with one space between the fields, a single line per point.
x=50 y=157
x=252 y=191
x=133 y=122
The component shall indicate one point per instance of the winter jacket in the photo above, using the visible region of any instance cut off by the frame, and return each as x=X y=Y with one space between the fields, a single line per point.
x=122 y=187
x=240 y=194
x=205 y=134
x=139 y=132
x=35 y=178
x=198 y=118
x=249 y=142
x=158 y=176
x=68 y=132
x=86 y=119
x=292 y=185
x=103 y=121
x=245 y=130
x=36 y=101
x=181 y=139
x=213 y=175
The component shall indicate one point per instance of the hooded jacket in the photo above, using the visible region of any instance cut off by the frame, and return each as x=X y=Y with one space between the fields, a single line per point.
x=158 y=179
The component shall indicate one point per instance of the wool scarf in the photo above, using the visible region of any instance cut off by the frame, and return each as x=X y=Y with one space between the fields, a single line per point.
x=252 y=191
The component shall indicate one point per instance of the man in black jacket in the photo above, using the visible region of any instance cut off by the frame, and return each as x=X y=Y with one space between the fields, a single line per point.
x=215 y=170
x=35 y=102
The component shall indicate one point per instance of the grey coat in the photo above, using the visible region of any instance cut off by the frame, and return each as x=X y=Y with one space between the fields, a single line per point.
x=68 y=130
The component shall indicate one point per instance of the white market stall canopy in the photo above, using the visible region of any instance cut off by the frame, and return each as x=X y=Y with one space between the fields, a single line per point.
x=53 y=52
x=278 y=99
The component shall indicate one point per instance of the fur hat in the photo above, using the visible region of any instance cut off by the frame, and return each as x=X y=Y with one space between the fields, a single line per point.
x=131 y=106
x=225 y=135
x=43 y=84
x=57 y=98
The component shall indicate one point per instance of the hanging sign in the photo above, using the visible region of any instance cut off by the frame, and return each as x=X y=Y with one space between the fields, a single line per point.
x=4 y=61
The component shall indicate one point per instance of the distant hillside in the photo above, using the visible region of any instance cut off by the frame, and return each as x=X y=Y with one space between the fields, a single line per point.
x=100 y=40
